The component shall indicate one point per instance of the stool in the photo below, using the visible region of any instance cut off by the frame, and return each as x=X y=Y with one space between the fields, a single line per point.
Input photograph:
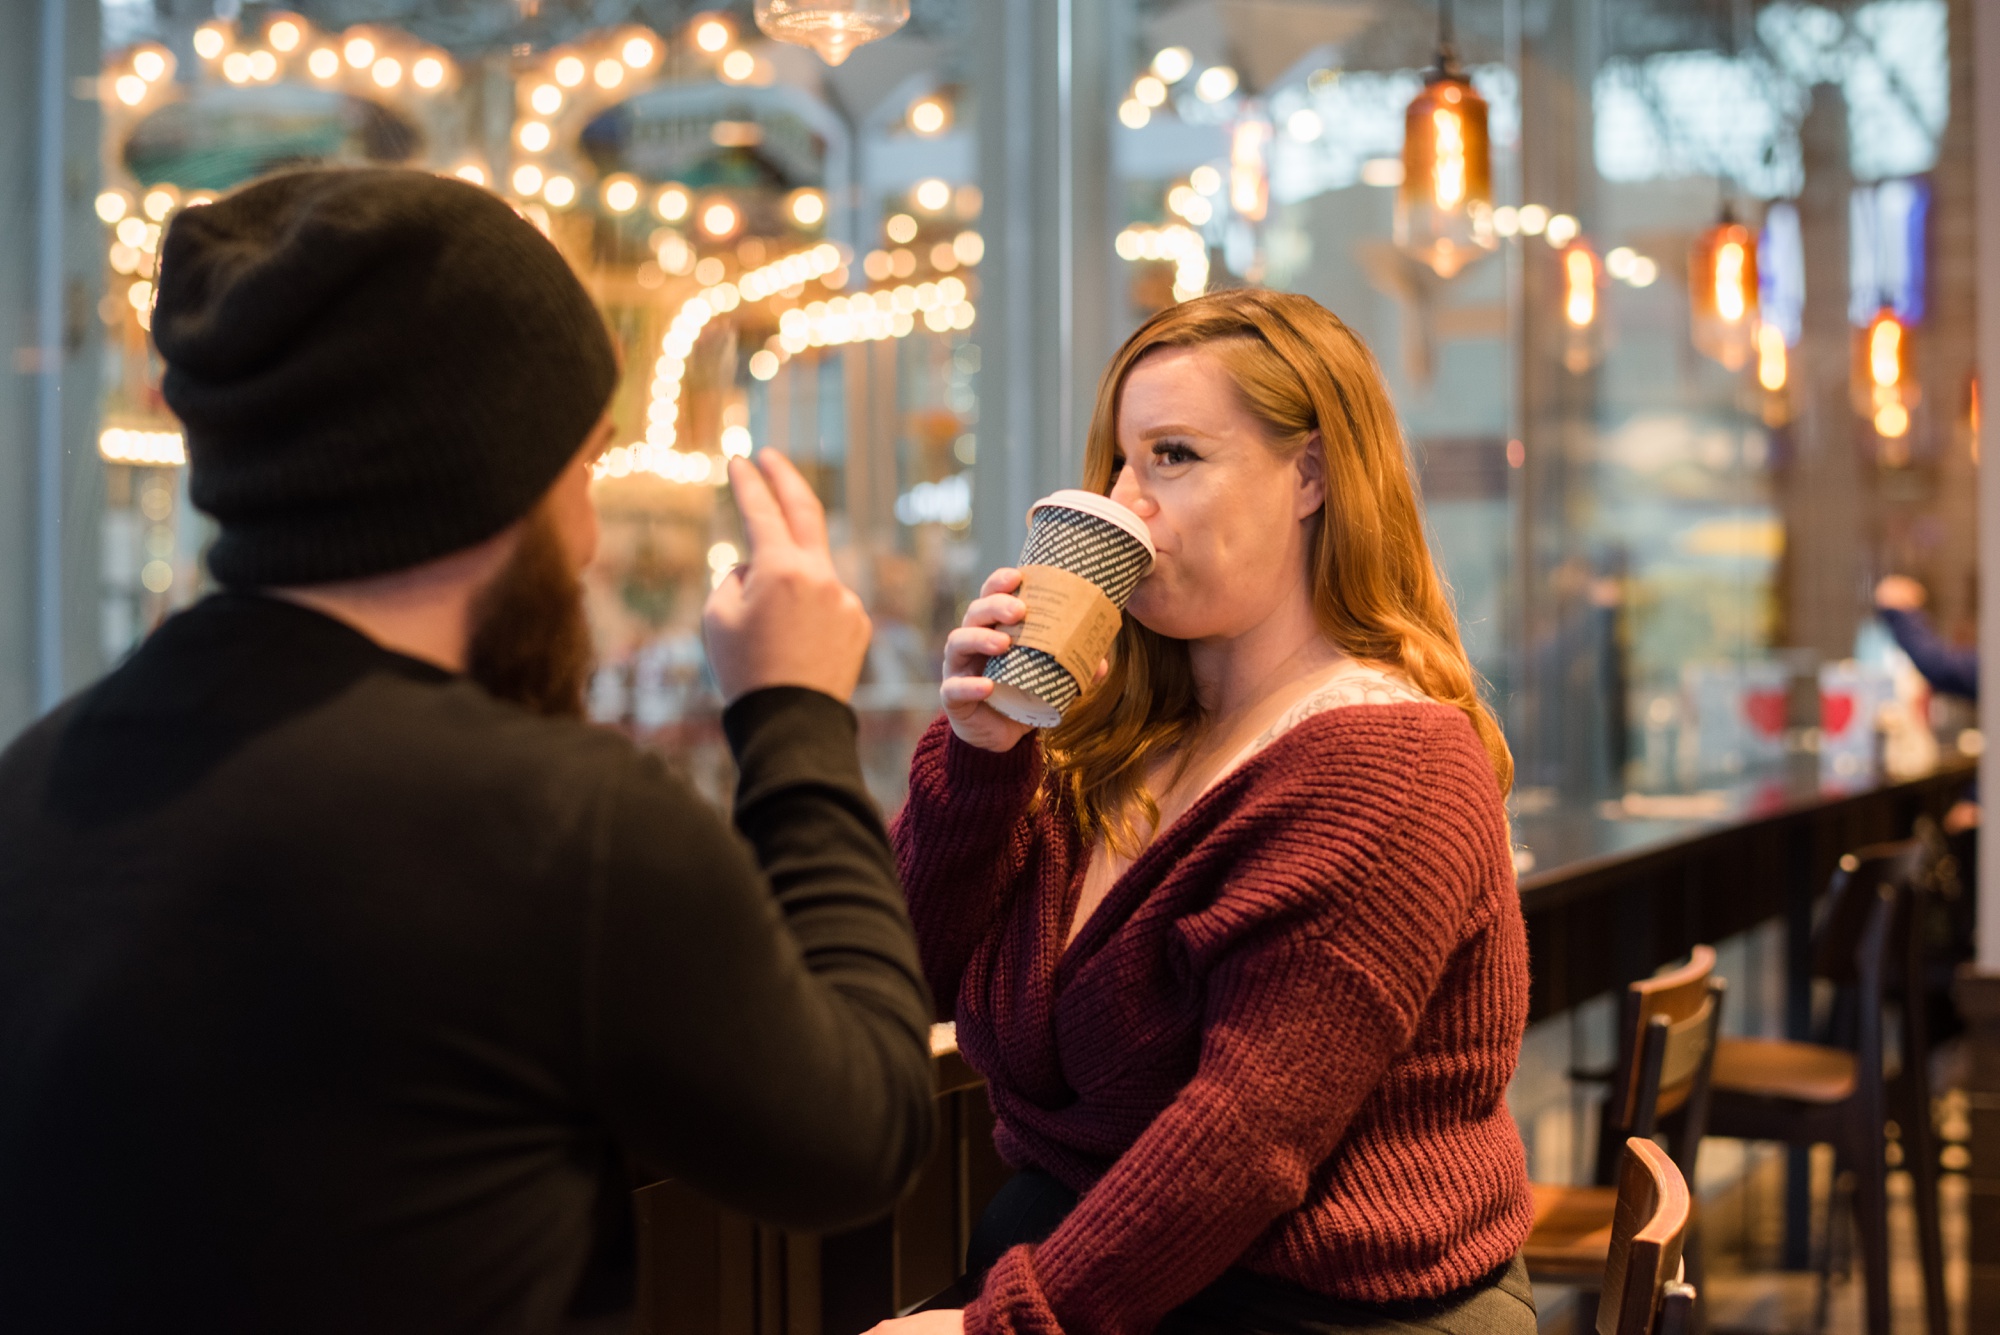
x=1667 y=1043
x=1836 y=1091
x=1642 y=1281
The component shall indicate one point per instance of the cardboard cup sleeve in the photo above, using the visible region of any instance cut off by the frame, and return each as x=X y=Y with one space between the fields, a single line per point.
x=1084 y=556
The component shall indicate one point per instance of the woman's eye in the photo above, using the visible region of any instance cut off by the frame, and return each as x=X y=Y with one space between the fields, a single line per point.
x=1174 y=454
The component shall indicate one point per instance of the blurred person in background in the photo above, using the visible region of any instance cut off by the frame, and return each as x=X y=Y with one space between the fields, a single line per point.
x=1237 y=946
x=1950 y=669
x=348 y=980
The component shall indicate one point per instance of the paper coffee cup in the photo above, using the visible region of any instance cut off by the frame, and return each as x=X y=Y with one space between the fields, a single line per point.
x=1085 y=554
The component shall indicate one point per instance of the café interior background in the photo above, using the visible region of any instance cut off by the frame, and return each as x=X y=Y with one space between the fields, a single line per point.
x=1655 y=480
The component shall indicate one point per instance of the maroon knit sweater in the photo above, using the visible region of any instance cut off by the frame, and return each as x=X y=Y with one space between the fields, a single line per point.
x=1283 y=1041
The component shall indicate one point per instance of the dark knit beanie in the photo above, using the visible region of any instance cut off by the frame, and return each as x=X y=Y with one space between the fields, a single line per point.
x=374 y=369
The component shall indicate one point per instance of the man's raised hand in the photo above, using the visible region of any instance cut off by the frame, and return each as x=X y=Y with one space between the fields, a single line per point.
x=782 y=617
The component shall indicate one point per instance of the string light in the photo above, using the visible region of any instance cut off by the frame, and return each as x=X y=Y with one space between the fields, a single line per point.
x=1182 y=245
x=672 y=204
x=130 y=89
x=720 y=218
x=1216 y=83
x=638 y=52
x=929 y=116
x=388 y=72
x=208 y=41
x=323 y=63
x=156 y=449
x=546 y=99
x=621 y=194
x=932 y=196
x=1173 y=63
x=1186 y=202
x=656 y=454
x=873 y=316
x=360 y=52
x=236 y=67
x=112 y=205
x=808 y=208
x=738 y=66
x=569 y=71
x=608 y=73
x=428 y=72
x=711 y=35
x=284 y=35
x=149 y=63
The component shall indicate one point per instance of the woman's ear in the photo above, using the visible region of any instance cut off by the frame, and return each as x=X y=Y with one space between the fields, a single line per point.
x=1312 y=479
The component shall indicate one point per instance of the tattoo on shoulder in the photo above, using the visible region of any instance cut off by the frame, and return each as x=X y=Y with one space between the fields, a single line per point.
x=1373 y=688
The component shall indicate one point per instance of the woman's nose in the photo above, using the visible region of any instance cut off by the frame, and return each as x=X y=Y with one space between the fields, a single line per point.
x=1127 y=492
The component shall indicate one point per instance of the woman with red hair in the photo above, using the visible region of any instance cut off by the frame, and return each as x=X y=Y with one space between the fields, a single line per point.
x=1237 y=946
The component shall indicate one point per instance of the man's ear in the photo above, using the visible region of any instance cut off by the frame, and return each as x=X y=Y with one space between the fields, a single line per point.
x=1312 y=479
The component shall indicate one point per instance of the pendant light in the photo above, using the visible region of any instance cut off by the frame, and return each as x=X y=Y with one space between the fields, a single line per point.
x=833 y=28
x=1582 y=307
x=1722 y=293
x=1444 y=209
x=1884 y=382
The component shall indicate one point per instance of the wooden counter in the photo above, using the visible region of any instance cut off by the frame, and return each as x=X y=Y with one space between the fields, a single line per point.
x=1615 y=890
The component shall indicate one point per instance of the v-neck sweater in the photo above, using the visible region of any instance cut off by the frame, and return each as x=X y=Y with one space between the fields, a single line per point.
x=1283 y=1040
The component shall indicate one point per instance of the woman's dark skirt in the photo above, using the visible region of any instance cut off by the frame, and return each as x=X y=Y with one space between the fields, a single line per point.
x=1031 y=1205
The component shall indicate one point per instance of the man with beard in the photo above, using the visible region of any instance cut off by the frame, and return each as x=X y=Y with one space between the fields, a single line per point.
x=342 y=965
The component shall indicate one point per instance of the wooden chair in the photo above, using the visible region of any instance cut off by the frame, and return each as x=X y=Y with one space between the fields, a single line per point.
x=1667 y=1043
x=1643 y=1292
x=1836 y=1091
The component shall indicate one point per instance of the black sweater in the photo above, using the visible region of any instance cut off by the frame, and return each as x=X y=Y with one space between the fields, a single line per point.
x=330 y=988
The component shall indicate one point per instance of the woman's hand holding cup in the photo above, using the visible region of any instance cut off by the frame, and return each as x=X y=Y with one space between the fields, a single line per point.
x=981 y=636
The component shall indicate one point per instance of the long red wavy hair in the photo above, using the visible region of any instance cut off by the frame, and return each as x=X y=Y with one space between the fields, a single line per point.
x=1302 y=374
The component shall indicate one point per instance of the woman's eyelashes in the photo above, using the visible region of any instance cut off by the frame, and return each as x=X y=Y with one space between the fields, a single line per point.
x=1168 y=453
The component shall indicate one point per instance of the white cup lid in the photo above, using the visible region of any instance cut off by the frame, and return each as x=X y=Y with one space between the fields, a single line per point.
x=1102 y=507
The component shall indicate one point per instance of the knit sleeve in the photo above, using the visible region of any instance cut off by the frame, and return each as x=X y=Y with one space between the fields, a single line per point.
x=1303 y=1017
x=962 y=842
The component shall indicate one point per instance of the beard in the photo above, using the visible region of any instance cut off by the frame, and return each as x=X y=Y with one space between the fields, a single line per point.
x=530 y=641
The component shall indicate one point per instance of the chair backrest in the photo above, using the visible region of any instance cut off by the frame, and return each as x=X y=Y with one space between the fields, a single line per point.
x=1670 y=1018
x=1861 y=880
x=1648 y=1230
